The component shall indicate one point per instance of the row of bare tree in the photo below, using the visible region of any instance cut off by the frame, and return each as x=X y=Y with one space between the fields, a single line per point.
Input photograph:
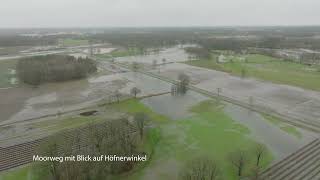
x=118 y=137
x=203 y=168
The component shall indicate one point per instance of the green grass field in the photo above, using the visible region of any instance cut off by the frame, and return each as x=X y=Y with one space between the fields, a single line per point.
x=267 y=68
x=73 y=42
x=122 y=53
x=22 y=173
x=5 y=76
x=209 y=132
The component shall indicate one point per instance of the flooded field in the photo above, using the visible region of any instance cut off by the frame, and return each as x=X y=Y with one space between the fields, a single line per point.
x=175 y=107
x=290 y=100
x=280 y=142
x=186 y=131
x=174 y=54
x=25 y=102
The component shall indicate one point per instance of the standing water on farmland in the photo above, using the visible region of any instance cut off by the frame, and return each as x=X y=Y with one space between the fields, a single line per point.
x=280 y=142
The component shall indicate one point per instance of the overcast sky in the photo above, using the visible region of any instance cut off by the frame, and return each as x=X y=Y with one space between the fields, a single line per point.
x=114 y=13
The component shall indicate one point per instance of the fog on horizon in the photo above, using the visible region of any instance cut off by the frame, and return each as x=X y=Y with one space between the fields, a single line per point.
x=126 y=13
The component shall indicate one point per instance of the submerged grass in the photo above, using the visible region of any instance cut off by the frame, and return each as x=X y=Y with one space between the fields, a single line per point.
x=283 y=126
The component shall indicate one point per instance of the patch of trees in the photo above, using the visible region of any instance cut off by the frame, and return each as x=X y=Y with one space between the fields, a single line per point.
x=181 y=87
x=232 y=44
x=15 y=40
x=135 y=91
x=200 y=168
x=141 y=38
x=184 y=81
x=199 y=52
x=246 y=165
x=113 y=138
x=53 y=68
x=251 y=161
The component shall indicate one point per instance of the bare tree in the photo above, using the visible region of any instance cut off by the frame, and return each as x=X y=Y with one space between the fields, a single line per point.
x=134 y=91
x=184 y=81
x=49 y=148
x=164 y=60
x=135 y=66
x=243 y=73
x=117 y=95
x=114 y=138
x=239 y=160
x=255 y=173
x=140 y=120
x=200 y=169
x=259 y=151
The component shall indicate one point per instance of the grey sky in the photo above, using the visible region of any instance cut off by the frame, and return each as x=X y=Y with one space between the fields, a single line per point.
x=106 y=13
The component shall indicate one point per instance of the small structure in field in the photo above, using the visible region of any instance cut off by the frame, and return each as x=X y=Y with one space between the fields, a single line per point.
x=222 y=59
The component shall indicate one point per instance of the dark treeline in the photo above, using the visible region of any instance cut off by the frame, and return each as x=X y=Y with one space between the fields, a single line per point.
x=199 y=52
x=208 y=40
x=15 y=40
x=226 y=44
x=146 y=39
x=272 y=42
x=53 y=68
x=221 y=38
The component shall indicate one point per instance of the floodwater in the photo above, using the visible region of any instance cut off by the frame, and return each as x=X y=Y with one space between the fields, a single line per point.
x=31 y=53
x=147 y=84
x=25 y=102
x=174 y=54
x=278 y=141
x=175 y=107
x=292 y=101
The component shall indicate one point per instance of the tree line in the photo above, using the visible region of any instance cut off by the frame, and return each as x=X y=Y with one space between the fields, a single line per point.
x=199 y=52
x=116 y=137
x=53 y=68
x=205 y=168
